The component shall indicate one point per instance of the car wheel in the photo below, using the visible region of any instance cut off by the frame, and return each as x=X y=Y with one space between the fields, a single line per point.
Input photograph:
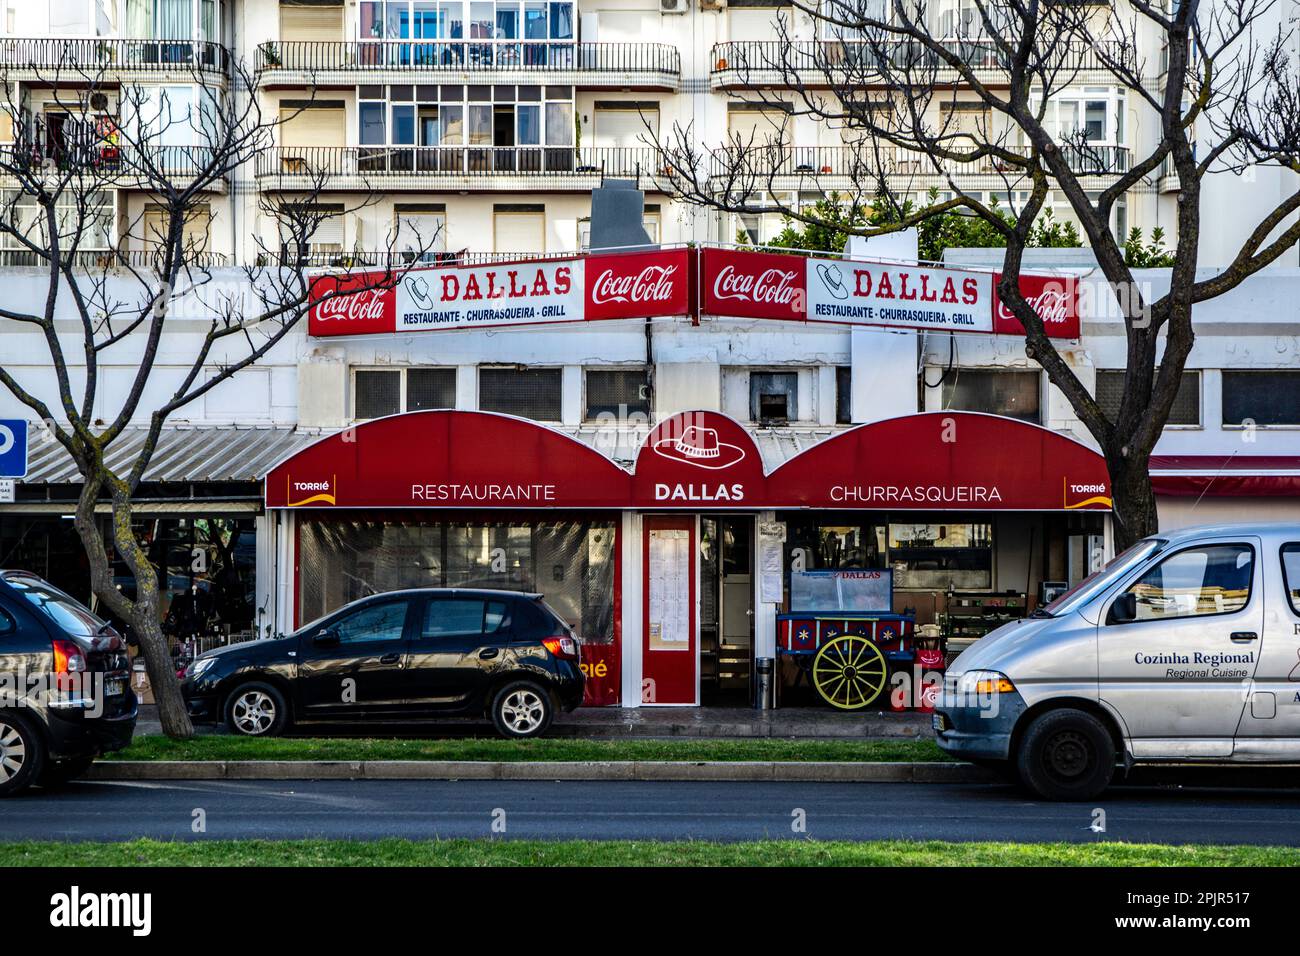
x=521 y=709
x=22 y=753
x=1066 y=755
x=257 y=710
x=55 y=773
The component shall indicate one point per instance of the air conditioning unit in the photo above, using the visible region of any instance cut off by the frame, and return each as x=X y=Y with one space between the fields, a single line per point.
x=713 y=4
x=673 y=6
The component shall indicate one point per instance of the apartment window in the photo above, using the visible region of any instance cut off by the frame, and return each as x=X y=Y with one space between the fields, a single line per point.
x=518 y=228
x=387 y=391
x=421 y=231
x=194 y=231
x=617 y=391
x=1261 y=397
x=995 y=391
x=1186 y=409
x=326 y=240
x=773 y=397
x=527 y=392
x=624 y=123
x=92 y=227
x=843 y=395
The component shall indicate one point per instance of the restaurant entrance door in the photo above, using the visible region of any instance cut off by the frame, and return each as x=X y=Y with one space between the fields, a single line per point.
x=726 y=608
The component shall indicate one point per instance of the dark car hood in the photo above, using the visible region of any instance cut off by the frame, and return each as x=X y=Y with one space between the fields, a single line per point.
x=246 y=646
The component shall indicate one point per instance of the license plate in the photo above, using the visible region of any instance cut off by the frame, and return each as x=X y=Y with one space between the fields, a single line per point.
x=114 y=688
x=939 y=722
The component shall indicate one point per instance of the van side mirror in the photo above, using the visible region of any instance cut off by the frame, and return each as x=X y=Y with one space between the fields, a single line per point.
x=1124 y=609
x=326 y=637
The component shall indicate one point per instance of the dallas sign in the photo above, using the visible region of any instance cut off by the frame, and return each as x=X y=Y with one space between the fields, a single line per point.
x=731 y=283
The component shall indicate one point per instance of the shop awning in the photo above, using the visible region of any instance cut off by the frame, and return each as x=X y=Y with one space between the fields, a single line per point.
x=693 y=461
x=184 y=453
x=1226 y=476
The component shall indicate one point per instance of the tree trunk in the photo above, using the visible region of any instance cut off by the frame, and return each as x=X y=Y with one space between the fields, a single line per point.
x=1135 y=515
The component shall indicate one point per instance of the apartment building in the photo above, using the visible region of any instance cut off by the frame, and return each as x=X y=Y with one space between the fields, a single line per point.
x=482 y=125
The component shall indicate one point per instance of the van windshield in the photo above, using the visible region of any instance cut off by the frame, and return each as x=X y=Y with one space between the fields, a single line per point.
x=1085 y=588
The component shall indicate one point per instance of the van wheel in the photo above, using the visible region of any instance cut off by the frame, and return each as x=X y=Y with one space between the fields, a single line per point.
x=521 y=709
x=1066 y=754
x=55 y=773
x=22 y=754
x=257 y=710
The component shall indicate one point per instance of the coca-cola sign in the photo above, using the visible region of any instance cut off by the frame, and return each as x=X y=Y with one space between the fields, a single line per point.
x=638 y=285
x=336 y=311
x=759 y=285
x=1054 y=298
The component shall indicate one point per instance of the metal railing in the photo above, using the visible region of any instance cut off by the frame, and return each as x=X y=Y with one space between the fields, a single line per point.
x=113 y=259
x=861 y=166
x=392 y=259
x=104 y=56
x=104 y=162
x=840 y=58
x=470 y=56
x=459 y=161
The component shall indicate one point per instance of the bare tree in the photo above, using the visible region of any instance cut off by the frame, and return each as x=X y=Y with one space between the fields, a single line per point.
x=123 y=301
x=961 y=100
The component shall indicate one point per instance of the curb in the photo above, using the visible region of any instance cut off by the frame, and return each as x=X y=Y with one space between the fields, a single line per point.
x=740 y=771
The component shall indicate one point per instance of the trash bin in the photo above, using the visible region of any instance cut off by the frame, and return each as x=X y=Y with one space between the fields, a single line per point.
x=764 y=686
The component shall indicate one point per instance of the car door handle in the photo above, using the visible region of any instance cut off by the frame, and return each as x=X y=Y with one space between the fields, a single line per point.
x=390 y=658
x=1243 y=637
x=488 y=653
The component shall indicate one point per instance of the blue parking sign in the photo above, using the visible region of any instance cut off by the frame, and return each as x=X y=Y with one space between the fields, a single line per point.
x=13 y=448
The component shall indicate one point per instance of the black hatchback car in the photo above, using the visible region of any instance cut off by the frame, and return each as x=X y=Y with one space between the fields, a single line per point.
x=403 y=656
x=65 y=689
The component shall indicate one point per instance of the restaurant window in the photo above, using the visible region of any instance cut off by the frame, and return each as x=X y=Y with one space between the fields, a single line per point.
x=843 y=395
x=527 y=392
x=834 y=544
x=618 y=392
x=1261 y=397
x=387 y=391
x=1186 y=409
x=773 y=397
x=942 y=555
x=994 y=391
x=571 y=562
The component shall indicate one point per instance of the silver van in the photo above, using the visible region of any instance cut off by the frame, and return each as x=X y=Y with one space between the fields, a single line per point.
x=1185 y=647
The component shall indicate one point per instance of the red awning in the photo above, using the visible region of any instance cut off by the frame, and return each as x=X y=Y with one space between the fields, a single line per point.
x=692 y=461
x=1226 y=476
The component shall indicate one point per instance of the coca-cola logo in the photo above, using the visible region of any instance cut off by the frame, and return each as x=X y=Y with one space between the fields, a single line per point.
x=769 y=287
x=651 y=284
x=355 y=307
x=1052 y=306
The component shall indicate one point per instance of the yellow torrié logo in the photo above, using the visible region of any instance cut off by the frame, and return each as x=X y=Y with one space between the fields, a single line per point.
x=315 y=492
x=1097 y=495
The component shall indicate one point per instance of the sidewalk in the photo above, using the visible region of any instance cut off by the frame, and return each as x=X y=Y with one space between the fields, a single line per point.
x=794 y=722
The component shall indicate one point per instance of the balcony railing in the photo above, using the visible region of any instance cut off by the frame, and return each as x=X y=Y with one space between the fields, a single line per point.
x=859 y=168
x=354 y=258
x=105 y=56
x=114 y=259
x=652 y=61
x=338 y=164
x=105 y=164
x=835 y=60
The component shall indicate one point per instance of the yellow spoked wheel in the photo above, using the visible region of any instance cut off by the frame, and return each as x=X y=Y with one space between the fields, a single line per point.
x=849 y=672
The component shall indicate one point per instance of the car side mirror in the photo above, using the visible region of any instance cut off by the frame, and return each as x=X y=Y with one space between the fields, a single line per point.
x=1124 y=609
x=326 y=637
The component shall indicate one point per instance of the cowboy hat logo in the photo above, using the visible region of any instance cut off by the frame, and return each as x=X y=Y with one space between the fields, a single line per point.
x=698 y=445
x=832 y=279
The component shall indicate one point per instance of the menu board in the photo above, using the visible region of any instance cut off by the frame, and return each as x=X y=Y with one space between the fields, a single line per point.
x=669 y=585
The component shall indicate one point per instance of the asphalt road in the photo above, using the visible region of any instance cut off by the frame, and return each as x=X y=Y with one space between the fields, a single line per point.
x=369 y=809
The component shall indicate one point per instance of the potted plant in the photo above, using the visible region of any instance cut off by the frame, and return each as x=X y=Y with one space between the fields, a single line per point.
x=270 y=55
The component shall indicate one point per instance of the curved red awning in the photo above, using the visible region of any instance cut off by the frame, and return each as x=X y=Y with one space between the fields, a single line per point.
x=692 y=461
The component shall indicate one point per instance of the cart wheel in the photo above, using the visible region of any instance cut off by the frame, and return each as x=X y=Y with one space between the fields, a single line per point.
x=849 y=672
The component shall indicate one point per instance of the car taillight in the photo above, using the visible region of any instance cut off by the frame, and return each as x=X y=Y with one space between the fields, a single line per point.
x=68 y=660
x=562 y=647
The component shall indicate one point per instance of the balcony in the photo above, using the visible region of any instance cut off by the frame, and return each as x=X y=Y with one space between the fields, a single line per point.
x=460 y=168
x=103 y=166
x=837 y=63
x=642 y=66
x=96 y=260
x=848 y=170
x=390 y=259
x=115 y=61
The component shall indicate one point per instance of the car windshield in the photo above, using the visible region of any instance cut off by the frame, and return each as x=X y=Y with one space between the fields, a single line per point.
x=67 y=612
x=1132 y=555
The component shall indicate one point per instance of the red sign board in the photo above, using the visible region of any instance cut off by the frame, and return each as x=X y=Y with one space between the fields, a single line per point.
x=694 y=461
x=336 y=311
x=754 y=285
x=1054 y=298
x=639 y=285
